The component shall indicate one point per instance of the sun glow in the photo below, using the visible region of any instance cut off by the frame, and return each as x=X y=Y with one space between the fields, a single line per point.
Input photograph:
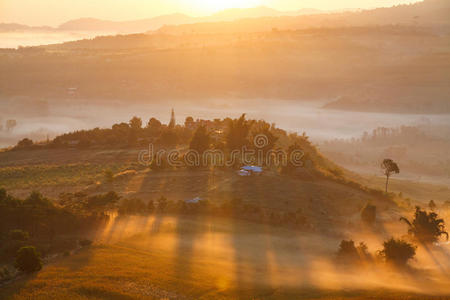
x=211 y=6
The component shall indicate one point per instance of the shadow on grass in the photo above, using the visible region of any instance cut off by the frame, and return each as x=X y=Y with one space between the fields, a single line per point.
x=99 y=293
x=14 y=287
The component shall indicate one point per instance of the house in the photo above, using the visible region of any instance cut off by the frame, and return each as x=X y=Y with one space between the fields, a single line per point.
x=250 y=170
x=195 y=200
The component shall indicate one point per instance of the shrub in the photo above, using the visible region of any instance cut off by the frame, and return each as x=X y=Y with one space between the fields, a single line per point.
x=28 y=260
x=349 y=253
x=397 y=252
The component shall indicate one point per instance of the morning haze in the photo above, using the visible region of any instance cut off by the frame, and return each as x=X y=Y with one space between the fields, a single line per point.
x=224 y=149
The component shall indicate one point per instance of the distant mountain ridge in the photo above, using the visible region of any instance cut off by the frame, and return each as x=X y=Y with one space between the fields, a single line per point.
x=10 y=27
x=92 y=24
x=139 y=26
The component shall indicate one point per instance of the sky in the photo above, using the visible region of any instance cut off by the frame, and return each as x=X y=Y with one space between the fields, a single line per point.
x=55 y=12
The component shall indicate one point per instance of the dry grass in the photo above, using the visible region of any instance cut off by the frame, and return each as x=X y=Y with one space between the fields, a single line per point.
x=200 y=258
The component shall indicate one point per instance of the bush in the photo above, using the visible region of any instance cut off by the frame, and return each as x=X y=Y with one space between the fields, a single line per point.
x=397 y=252
x=369 y=214
x=28 y=260
x=349 y=253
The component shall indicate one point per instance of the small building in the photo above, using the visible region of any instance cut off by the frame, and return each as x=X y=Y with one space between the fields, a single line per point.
x=195 y=200
x=250 y=170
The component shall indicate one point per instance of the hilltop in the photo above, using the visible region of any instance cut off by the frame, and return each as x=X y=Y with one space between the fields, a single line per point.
x=428 y=13
x=79 y=162
x=154 y=23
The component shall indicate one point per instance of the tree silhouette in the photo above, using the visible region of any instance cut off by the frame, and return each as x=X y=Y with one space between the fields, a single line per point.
x=136 y=123
x=389 y=167
x=200 y=141
x=24 y=144
x=154 y=127
x=172 y=122
x=426 y=227
x=432 y=205
x=397 y=252
x=238 y=131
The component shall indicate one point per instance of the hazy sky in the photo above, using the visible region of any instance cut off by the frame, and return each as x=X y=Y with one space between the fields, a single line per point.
x=55 y=12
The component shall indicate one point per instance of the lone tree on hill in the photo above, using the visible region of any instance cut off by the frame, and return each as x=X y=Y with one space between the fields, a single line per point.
x=389 y=167
x=426 y=227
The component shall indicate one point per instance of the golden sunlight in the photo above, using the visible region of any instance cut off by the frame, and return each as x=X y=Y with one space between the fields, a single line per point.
x=210 y=6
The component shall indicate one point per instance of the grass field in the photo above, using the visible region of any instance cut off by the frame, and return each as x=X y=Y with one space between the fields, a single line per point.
x=204 y=257
x=201 y=258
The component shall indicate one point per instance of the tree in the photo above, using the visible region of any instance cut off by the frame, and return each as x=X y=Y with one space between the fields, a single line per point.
x=150 y=206
x=426 y=227
x=369 y=214
x=154 y=127
x=238 y=131
x=36 y=199
x=389 y=167
x=162 y=204
x=168 y=137
x=172 y=122
x=397 y=252
x=24 y=144
x=188 y=121
x=349 y=253
x=104 y=201
x=154 y=124
x=264 y=140
x=200 y=141
x=432 y=205
x=28 y=260
x=136 y=123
